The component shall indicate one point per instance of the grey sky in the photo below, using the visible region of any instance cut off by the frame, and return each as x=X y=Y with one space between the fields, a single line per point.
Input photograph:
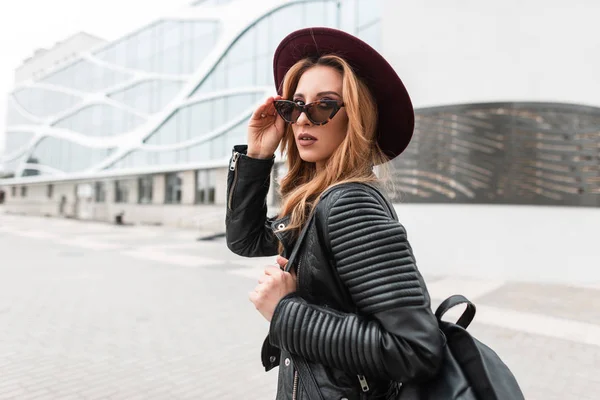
x=26 y=25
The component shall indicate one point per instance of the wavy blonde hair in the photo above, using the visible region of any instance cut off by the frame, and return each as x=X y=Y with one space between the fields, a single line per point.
x=352 y=161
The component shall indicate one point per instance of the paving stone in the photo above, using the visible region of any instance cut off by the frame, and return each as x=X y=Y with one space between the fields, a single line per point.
x=575 y=303
x=91 y=323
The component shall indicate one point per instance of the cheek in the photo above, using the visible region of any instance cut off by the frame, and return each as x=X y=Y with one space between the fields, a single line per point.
x=338 y=130
x=334 y=136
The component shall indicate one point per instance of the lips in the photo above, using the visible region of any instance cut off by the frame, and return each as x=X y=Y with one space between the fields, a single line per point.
x=305 y=140
x=306 y=137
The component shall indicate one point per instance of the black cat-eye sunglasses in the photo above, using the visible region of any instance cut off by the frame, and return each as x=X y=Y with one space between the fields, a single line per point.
x=318 y=112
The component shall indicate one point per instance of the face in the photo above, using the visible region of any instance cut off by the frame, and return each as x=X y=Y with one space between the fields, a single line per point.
x=316 y=143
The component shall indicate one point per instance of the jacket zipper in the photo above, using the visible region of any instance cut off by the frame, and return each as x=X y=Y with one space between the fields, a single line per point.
x=295 y=388
x=232 y=167
x=363 y=383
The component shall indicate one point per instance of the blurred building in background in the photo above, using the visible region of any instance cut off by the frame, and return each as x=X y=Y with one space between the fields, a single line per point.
x=98 y=130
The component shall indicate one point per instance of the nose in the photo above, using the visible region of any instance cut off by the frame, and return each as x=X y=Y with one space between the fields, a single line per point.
x=303 y=119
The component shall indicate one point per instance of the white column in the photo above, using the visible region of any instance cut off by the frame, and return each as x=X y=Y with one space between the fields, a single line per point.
x=158 y=189
x=188 y=187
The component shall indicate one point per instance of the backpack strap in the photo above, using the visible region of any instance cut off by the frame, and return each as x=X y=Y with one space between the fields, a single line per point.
x=466 y=318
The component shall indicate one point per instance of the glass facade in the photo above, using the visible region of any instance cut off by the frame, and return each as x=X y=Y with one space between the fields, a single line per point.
x=149 y=96
x=16 y=117
x=147 y=84
x=43 y=102
x=86 y=77
x=100 y=120
x=66 y=156
x=166 y=47
x=249 y=60
x=16 y=142
x=200 y=119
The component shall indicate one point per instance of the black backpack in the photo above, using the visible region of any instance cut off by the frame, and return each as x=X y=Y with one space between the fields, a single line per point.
x=470 y=370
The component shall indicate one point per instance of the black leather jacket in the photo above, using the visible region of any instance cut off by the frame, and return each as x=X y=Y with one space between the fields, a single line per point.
x=361 y=314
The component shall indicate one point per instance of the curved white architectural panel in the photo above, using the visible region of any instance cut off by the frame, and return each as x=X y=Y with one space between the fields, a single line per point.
x=455 y=51
x=100 y=142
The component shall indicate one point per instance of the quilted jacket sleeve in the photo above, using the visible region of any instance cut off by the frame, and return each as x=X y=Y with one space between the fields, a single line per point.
x=394 y=334
x=246 y=225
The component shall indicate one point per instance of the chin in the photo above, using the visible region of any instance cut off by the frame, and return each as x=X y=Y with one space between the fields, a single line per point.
x=311 y=158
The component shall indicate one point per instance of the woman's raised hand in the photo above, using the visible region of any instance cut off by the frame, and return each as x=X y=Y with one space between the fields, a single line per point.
x=265 y=130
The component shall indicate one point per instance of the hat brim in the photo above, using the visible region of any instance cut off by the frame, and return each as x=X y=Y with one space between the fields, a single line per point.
x=396 y=120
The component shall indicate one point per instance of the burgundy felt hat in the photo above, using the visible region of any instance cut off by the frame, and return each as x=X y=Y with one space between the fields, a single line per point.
x=396 y=115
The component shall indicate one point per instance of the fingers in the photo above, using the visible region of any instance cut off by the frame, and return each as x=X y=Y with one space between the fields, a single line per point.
x=270 y=107
x=267 y=109
x=253 y=297
x=274 y=272
x=282 y=262
x=260 y=110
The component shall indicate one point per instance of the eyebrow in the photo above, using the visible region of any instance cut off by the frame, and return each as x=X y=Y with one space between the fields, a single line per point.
x=319 y=94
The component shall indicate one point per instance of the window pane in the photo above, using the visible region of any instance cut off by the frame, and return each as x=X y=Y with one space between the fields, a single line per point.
x=100 y=120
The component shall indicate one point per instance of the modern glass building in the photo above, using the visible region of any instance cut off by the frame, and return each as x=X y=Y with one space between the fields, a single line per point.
x=151 y=118
x=172 y=96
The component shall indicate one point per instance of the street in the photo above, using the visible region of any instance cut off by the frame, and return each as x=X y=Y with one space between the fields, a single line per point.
x=96 y=311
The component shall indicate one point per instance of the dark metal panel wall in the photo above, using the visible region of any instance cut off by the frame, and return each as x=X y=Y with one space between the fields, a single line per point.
x=504 y=153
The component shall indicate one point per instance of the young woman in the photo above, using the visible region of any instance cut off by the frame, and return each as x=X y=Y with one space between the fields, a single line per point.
x=354 y=307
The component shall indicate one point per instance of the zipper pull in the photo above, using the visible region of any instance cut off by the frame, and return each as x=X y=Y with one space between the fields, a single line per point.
x=363 y=383
x=234 y=159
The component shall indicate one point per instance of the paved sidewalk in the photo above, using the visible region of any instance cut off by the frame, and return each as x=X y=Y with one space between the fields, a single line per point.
x=96 y=311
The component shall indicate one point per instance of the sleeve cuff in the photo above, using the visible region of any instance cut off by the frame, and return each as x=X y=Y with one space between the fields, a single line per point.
x=249 y=167
x=279 y=314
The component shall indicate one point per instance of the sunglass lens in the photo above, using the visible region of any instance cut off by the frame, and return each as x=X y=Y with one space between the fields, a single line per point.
x=320 y=112
x=287 y=110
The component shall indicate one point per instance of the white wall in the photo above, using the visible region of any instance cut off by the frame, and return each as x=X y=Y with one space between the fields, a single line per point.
x=525 y=243
x=466 y=51
x=61 y=52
